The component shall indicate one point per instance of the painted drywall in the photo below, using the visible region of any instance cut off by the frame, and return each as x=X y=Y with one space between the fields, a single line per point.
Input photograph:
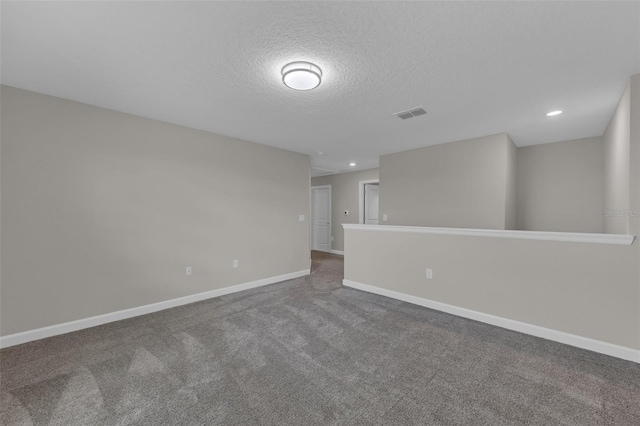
x=344 y=196
x=560 y=186
x=589 y=290
x=617 y=139
x=634 y=170
x=103 y=210
x=465 y=184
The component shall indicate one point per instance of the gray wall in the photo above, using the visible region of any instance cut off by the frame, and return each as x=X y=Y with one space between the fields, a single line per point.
x=102 y=211
x=590 y=290
x=344 y=196
x=560 y=186
x=466 y=184
x=634 y=173
x=617 y=147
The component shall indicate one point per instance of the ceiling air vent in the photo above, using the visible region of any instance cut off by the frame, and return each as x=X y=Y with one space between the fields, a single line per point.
x=322 y=171
x=410 y=113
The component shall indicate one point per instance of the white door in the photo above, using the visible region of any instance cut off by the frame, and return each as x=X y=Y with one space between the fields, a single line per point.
x=321 y=210
x=371 y=197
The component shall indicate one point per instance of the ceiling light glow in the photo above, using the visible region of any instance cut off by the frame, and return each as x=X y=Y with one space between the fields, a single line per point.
x=554 y=113
x=352 y=164
x=301 y=75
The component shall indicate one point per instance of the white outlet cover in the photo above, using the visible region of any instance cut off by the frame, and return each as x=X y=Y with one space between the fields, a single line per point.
x=346 y=212
x=429 y=273
x=188 y=270
x=235 y=263
x=301 y=218
x=384 y=217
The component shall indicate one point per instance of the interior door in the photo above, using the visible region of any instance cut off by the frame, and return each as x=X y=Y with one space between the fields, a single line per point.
x=321 y=234
x=371 y=201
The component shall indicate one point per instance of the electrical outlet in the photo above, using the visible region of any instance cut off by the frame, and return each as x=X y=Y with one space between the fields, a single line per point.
x=346 y=212
x=235 y=263
x=429 y=274
x=384 y=217
x=332 y=238
x=301 y=218
x=187 y=270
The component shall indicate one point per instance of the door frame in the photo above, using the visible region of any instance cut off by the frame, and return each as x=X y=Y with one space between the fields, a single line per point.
x=361 y=185
x=313 y=219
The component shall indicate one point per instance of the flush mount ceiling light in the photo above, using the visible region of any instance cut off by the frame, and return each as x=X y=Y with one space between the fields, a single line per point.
x=352 y=164
x=301 y=75
x=554 y=113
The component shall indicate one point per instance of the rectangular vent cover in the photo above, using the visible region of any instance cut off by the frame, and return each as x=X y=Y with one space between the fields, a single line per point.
x=415 y=112
x=324 y=171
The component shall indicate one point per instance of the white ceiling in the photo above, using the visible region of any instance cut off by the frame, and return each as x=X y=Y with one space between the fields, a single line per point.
x=478 y=68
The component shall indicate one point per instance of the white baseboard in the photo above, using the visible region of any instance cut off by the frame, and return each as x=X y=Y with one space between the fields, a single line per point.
x=534 y=330
x=340 y=252
x=67 y=327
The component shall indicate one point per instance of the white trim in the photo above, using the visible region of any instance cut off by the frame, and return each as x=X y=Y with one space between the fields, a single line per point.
x=67 y=327
x=534 y=330
x=313 y=219
x=574 y=237
x=340 y=252
x=361 y=185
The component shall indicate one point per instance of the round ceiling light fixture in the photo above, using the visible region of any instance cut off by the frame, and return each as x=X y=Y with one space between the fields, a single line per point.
x=301 y=75
x=554 y=113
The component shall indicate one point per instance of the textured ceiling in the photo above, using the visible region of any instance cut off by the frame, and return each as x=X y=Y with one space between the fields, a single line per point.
x=478 y=68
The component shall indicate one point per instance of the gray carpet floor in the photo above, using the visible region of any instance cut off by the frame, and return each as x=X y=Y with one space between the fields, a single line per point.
x=311 y=352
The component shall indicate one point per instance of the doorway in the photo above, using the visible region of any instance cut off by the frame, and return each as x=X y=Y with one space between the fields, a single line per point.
x=321 y=218
x=369 y=202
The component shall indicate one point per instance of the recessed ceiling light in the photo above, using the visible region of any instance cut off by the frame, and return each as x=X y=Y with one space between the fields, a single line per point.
x=552 y=113
x=352 y=164
x=301 y=75
x=320 y=152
